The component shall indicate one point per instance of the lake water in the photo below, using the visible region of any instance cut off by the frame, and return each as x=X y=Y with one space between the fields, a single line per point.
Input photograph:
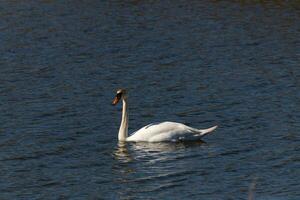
x=201 y=63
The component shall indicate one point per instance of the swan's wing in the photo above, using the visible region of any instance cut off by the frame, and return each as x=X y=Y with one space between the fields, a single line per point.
x=168 y=131
x=164 y=131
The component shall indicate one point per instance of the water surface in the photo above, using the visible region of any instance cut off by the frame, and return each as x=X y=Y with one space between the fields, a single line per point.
x=200 y=63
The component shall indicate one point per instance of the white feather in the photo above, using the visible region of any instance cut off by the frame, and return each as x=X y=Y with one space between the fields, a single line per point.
x=168 y=131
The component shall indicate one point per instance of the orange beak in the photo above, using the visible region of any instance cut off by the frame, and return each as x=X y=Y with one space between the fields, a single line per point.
x=116 y=99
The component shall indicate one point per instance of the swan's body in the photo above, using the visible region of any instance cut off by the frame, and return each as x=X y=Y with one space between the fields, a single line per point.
x=156 y=132
x=167 y=131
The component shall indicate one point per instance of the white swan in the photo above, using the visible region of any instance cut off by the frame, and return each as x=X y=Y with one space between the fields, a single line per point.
x=156 y=132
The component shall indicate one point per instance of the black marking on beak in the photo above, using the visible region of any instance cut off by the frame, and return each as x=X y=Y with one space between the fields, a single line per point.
x=117 y=99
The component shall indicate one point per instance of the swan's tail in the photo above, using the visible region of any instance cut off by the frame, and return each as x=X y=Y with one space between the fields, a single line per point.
x=203 y=132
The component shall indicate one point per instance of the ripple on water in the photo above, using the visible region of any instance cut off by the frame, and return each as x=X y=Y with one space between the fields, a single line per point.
x=61 y=62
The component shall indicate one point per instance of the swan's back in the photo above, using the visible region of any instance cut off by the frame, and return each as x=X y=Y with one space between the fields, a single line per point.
x=164 y=131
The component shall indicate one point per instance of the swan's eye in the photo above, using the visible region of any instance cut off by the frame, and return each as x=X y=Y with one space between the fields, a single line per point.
x=119 y=95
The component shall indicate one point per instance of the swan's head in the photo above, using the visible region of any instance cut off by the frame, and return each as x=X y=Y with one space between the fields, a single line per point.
x=121 y=94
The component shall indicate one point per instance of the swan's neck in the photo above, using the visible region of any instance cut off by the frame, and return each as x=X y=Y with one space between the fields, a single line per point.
x=123 y=131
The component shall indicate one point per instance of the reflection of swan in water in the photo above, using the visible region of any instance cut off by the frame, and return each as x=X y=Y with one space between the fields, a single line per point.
x=156 y=132
x=121 y=153
x=152 y=167
x=152 y=152
x=163 y=147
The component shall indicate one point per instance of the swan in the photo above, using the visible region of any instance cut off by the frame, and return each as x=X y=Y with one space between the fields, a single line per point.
x=156 y=132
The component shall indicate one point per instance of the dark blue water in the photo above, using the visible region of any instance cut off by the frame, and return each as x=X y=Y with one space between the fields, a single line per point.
x=197 y=62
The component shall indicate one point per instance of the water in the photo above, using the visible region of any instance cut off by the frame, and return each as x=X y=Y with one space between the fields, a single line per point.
x=200 y=63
